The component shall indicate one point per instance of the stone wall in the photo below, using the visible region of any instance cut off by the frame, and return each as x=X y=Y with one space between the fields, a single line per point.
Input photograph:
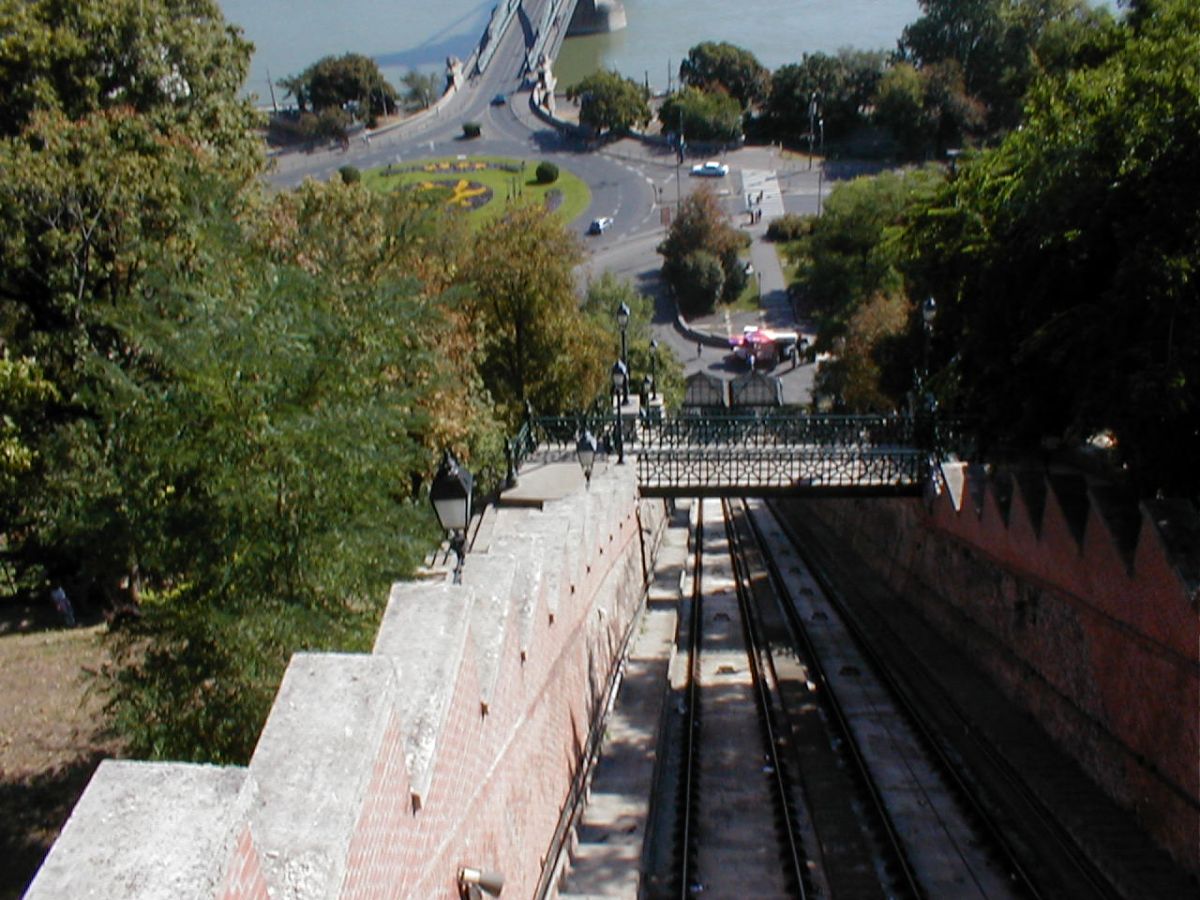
x=1083 y=609
x=453 y=744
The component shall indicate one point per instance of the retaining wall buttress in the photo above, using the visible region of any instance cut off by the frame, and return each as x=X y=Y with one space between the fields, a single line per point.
x=455 y=743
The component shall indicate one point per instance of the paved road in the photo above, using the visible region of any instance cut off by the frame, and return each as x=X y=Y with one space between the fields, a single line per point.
x=637 y=184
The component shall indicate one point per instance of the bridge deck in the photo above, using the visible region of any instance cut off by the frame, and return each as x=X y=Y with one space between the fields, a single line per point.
x=734 y=471
x=733 y=455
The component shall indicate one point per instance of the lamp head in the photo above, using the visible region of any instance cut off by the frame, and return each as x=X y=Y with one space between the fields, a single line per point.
x=450 y=494
x=585 y=449
x=929 y=310
x=623 y=316
x=620 y=376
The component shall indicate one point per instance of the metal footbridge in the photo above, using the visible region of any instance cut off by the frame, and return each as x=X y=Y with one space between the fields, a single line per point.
x=749 y=454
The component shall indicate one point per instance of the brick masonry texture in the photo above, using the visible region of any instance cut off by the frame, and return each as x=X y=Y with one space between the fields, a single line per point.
x=1091 y=630
x=454 y=744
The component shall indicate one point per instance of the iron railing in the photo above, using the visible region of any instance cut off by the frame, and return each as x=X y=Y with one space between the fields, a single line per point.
x=783 y=451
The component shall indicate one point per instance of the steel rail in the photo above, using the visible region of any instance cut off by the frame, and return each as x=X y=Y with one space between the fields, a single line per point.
x=840 y=721
x=755 y=652
x=686 y=863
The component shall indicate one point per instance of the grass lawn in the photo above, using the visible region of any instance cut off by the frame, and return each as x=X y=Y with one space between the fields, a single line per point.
x=748 y=299
x=484 y=186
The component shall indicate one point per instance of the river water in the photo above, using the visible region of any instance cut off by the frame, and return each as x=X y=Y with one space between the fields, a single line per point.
x=289 y=35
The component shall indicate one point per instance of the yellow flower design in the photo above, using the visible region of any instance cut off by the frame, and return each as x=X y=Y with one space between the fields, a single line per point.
x=463 y=192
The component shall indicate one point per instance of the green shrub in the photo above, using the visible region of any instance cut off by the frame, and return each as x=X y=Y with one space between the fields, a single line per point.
x=350 y=174
x=699 y=282
x=547 y=173
x=789 y=227
x=472 y=129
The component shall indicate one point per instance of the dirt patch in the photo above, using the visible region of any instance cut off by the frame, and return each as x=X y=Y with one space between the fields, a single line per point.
x=52 y=737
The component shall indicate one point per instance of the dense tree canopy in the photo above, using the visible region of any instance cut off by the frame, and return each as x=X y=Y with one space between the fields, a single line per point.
x=610 y=102
x=720 y=66
x=701 y=115
x=536 y=348
x=219 y=406
x=601 y=300
x=1066 y=259
x=838 y=89
x=422 y=89
x=174 y=62
x=335 y=82
x=995 y=44
x=700 y=254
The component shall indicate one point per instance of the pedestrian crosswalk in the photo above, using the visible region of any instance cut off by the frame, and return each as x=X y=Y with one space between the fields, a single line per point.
x=760 y=191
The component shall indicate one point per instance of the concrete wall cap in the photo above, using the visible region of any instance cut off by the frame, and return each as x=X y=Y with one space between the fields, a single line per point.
x=313 y=765
x=492 y=577
x=424 y=635
x=155 y=831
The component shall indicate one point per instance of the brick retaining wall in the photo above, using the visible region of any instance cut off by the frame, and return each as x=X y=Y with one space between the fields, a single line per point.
x=454 y=744
x=1086 y=618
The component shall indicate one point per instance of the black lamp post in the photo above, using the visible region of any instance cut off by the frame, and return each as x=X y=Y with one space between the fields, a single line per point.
x=620 y=382
x=928 y=314
x=653 y=370
x=623 y=324
x=585 y=450
x=812 y=126
x=450 y=494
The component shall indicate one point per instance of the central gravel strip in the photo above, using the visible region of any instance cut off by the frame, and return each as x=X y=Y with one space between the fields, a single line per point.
x=737 y=853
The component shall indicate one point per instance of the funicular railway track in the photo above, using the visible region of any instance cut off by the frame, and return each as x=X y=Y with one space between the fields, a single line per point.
x=795 y=813
x=1041 y=858
x=803 y=774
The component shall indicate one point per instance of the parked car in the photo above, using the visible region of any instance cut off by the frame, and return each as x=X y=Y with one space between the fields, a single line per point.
x=601 y=225
x=711 y=169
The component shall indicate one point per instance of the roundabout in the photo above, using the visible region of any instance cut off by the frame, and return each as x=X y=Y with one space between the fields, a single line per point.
x=484 y=187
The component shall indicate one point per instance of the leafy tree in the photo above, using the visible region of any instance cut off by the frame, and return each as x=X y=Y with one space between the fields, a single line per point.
x=219 y=404
x=900 y=108
x=421 y=90
x=856 y=379
x=601 y=300
x=699 y=282
x=22 y=390
x=994 y=44
x=610 y=102
x=720 y=66
x=276 y=446
x=340 y=81
x=928 y=111
x=702 y=115
x=175 y=62
x=842 y=85
x=852 y=254
x=1064 y=261
x=702 y=226
x=536 y=348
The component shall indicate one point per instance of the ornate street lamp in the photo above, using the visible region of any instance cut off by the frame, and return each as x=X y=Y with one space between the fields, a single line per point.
x=928 y=314
x=585 y=450
x=620 y=383
x=623 y=324
x=451 y=498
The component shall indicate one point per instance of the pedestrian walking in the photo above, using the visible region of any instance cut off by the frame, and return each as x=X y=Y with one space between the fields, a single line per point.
x=699 y=348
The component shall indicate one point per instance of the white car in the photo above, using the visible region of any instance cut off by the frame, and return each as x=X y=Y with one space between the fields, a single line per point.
x=711 y=169
x=601 y=225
